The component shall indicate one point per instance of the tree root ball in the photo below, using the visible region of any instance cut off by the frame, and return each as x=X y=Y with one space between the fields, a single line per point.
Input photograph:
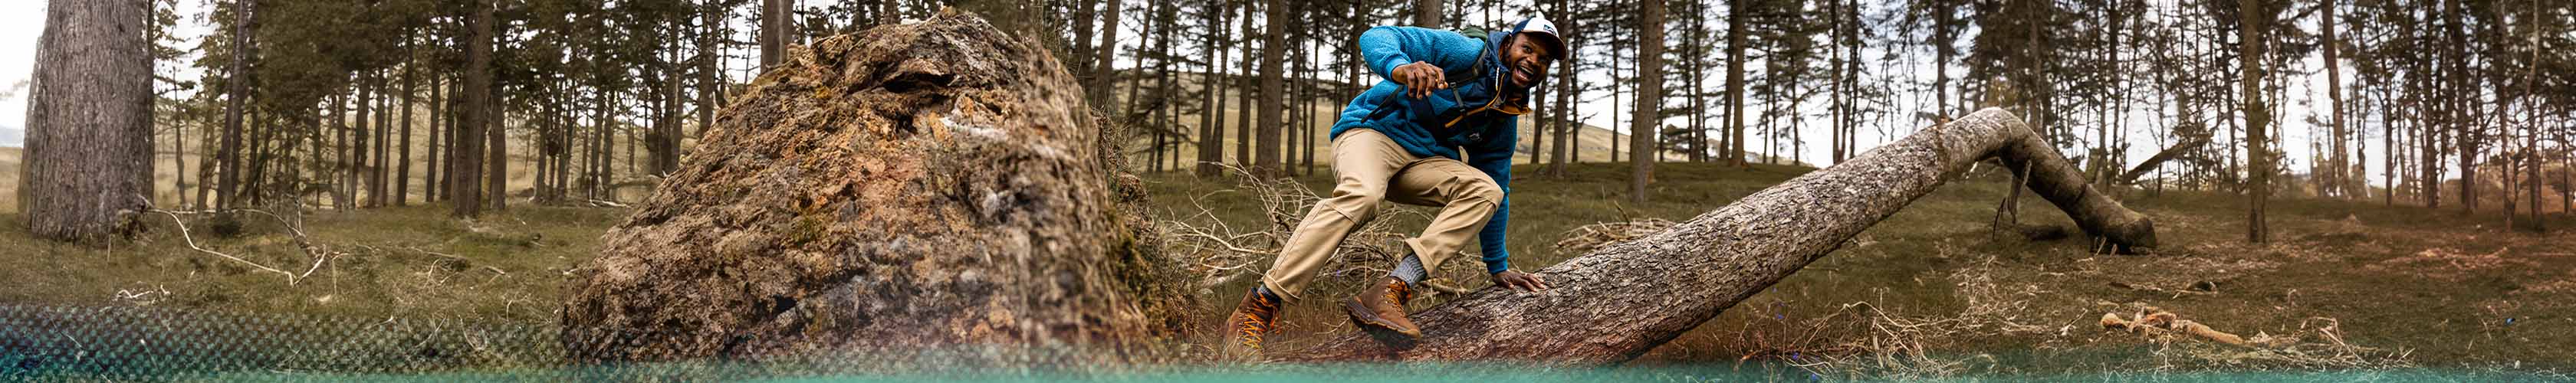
x=920 y=186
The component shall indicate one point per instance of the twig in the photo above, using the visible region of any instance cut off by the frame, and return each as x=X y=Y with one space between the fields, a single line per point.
x=192 y=244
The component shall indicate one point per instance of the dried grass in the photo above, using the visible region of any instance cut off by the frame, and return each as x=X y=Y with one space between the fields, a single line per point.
x=1860 y=340
x=2450 y=264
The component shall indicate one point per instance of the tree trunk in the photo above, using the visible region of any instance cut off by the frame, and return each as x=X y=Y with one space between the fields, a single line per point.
x=1426 y=13
x=1626 y=298
x=1735 y=41
x=442 y=123
x=2339 y=163
x=237 y=87
x=496 y=179
x=1211 y=147
x=465 y=159
x=342 y=171
x=1266 y=157
x=774 y=29
x=89 y=122
x=2464 y=130
x=709 y=75
x=1246 y=97
x=1567 y=138
x=402 y=151
x=360 y=145
x=1646 y=120
x=1306 y=110
x=1104 y=67
x=2258 y=159
x=2531 y=129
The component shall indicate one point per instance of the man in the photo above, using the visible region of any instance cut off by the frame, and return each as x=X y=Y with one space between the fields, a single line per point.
x=1439 y=130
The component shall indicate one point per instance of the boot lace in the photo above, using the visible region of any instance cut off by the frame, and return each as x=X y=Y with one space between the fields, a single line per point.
x=1255 y=322
x=1400 y=293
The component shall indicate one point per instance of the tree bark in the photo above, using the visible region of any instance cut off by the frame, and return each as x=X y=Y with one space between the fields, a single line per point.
x=237 y=87
x=1647 y=119
x=774 y=29
x=2258 y=159
x=1104 y=63
x=89 y=121
x=2339 y=163
x=496 y=149
x=1567 y=140
x=1249 y=94
x=465 y=158
x=1735 y=41
x=1211 y=147
x=1266 y=160
x=1624 y=299
x=1426 y=13
x=402 y=151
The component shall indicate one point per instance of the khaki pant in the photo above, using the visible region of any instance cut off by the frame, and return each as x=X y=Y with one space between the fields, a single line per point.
x=1370 y=168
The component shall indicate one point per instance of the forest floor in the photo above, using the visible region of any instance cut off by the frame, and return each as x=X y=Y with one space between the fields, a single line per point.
x=1927 y=293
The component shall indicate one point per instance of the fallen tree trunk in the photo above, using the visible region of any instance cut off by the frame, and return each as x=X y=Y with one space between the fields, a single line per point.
x=2187 y=144
x=1624 y=299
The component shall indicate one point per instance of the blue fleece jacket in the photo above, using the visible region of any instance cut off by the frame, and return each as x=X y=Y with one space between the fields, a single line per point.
x=1450 y=120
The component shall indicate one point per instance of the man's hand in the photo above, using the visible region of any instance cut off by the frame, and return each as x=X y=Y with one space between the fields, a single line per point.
x=1517 y=280
x=1420 y=78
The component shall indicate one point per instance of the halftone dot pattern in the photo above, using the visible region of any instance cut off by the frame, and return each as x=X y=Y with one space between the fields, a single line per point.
x=119 y=343
x=57 y=342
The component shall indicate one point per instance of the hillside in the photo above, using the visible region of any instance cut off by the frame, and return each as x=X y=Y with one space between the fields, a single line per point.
x=166 y=169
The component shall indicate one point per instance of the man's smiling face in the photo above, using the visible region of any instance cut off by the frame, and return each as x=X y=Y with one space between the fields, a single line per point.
x=1527 y=60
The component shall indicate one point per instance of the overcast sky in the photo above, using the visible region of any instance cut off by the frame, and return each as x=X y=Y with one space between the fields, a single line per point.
x=22 y=21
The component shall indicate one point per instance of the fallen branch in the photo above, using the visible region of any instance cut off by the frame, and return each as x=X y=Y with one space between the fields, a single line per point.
x=191 y=240
x=2153 y=321
x=2187 y=145
x=302 y=242
x=2169 y=292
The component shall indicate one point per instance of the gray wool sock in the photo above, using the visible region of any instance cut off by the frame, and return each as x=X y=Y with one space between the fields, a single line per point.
x=1265 y=292
x=1409 y=269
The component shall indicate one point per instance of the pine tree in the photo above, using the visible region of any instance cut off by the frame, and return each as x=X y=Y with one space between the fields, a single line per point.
x=89 y=122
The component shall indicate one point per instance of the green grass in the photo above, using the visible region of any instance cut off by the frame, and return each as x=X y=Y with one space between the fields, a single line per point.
x=382 y=262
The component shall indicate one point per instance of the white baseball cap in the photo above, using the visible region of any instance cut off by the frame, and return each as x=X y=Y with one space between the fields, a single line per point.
x=1539 y=27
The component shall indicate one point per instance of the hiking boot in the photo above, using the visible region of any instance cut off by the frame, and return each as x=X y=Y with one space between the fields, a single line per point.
x=1252 y=319
x=1380 y=310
